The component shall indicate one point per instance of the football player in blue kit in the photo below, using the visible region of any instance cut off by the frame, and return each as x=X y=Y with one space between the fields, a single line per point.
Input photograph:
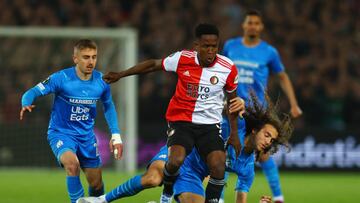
x=255 y=60
x=70 y=133
x=263 y=133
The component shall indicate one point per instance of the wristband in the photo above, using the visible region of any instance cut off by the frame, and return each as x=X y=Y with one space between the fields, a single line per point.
x=116 y=138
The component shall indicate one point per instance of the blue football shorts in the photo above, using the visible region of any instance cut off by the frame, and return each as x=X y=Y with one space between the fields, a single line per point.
x=86 y=151
x=162 y=155
x=192 y=173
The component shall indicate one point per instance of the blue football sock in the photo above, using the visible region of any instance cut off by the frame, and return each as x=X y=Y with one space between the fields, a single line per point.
x=271 y=172
x=129 y=188
x=96 y=193
x=74 y=187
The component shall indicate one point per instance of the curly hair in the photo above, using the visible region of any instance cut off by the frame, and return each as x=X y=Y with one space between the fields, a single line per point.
x=257 y=115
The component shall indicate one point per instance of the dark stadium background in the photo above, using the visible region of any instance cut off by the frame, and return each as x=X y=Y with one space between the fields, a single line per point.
x=318 y=42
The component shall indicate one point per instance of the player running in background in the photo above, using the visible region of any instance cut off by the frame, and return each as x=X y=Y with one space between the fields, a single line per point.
x=255 y=59
x=264 y=132
x=70 y=134
x=194 y=112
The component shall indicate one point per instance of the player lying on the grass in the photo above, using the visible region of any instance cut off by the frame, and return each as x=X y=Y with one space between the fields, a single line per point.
x=264 y=132
x=153 y=176
x=256 y=60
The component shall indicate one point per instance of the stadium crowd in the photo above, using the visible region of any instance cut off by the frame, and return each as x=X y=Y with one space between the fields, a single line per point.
x=318 y=42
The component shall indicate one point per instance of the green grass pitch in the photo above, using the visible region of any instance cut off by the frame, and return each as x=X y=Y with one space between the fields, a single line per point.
x=48 y=186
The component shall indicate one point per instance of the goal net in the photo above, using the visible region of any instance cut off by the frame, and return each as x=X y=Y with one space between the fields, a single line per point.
x=28 y=56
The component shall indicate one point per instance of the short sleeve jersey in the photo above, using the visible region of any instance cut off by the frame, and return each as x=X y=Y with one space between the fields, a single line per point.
x=254 y=65
x=199 y=95
x=74 y=109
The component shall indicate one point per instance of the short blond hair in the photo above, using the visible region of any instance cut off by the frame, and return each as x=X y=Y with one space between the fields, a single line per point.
x=84 y=44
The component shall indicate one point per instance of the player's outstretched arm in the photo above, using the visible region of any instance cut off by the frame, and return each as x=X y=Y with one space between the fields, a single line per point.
x=140 y=68
x=115 y=144
x=27 y=100
x=287 y=87
x=233 y=138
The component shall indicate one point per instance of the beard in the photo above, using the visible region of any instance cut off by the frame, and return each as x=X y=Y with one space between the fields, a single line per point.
x=252 y=36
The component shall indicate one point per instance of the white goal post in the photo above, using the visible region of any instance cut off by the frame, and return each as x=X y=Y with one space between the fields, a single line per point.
x=126 y=40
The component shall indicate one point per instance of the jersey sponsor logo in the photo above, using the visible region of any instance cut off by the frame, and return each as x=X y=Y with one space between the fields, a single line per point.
x=214 y=80
x=246 y=80
x=79 y=113
x=246 y=64
x=246 y=76
x=82 y=101
x=162 y=156
x=197 y=91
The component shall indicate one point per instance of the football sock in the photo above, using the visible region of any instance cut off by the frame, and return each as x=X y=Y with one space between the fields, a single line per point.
x=74 y=188
x=271 y=172
x=129 y=188
x=96 y=193
x=169 y=180
x=213 y=190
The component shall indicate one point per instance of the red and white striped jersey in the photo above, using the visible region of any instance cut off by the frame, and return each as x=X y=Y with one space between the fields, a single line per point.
x=199 y=95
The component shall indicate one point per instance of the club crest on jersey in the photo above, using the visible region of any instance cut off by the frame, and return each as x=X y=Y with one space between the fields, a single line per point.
x=214 y=80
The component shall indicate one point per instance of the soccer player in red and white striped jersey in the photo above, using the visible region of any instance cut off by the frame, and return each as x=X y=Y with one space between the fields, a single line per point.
x=195 y=110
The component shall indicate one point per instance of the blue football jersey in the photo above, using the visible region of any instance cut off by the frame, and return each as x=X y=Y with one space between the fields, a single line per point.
x=74 y=108
x=243 y=165
x=254 y=65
